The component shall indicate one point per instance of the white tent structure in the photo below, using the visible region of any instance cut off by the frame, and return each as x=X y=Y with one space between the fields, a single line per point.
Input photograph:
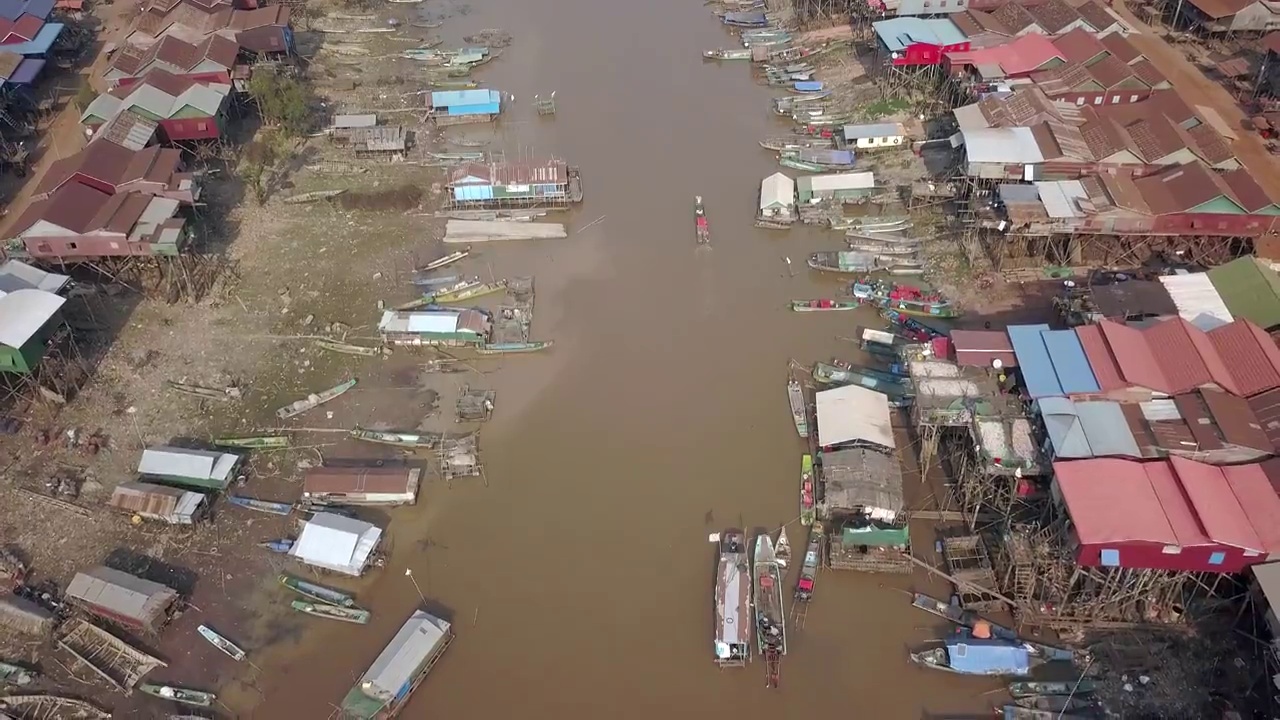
x=777 y=197
x=338 y=543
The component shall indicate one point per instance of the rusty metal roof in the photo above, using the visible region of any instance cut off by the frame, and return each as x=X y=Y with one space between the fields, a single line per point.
x=553 y=172
x=1053 y=15
x=1096 y=15
x=1119 y=46
x=1266 y=408
x=1079 y=46
x=1181 y=188
x=1217 y=9
x=1013 y=17
x=1255 y=359
x=1236 y=421
x=1186 y=357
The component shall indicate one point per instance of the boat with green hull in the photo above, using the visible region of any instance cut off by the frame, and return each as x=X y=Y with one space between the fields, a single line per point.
x=1032 y=688
x=808 y=491
x=802 y=166
x=906 y=299
x=254 y=443
x=186 y=696
x=332 y=612
x=824 y=305
x=832 y=375
x=321 y=593
x=799 y=412
x=471 y=293
x=398 y=439
x=514 y=347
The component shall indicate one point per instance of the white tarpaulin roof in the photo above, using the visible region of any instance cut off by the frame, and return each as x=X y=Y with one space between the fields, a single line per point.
x=777 y=190
x=181 y=462
x=1197 y=300
x=24 y=312
x=854 y=413
x=419 y=322
x=336 y=543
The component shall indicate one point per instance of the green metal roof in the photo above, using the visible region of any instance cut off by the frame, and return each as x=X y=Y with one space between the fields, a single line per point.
x=1250 y=289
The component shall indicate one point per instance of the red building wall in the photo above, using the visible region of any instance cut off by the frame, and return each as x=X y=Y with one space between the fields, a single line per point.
x=53 y=248
x=191 y=129
x=1228 y=225
x=1151 y=556
x=926 y=54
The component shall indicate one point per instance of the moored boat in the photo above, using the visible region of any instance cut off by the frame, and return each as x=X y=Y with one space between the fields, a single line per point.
x=732 y=600
x=251 y=443
x=809 y=568
x=314 y=400
x=906 y=299
x=53 y=707
x=782 y=548
x=822 y=305
x=1013 y=712
x=1030 y=688
x=832 y=375
x=843 y=262
x=470 y=293
x=398 y=439
x=332 y=612
x=966 y=655
x=317 y=592
x=793 y=164
x=231 y=650
x=282 y=545
x=969 y=619
x=910 y=327
x=449 y=259
x=701 y=227
x=198 y=698
x=512 y=348
x=386 y=687
x=793 y=143
x=892 y=250
x=11 y=674
x=808 y=492
x=266 y=506
x=1055 y=703
x=770 y=614
x=722 y=54
x=832 y=370
x=799 y=412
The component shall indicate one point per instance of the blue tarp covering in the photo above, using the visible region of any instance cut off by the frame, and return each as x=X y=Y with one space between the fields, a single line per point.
x=972 y=656
x=1069 y=362
x=808 y=86
x=1033 y=360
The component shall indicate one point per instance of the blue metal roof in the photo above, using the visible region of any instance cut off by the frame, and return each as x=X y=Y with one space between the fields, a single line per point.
x=1075 y=375
x=899 y=33
x=1107 y=429
x=1033 y=360
x=40 y=44
x=1063 y=427
x=972 y=656
x=445 y=98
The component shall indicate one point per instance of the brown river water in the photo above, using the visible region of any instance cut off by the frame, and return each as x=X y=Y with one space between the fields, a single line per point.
x=580 y=578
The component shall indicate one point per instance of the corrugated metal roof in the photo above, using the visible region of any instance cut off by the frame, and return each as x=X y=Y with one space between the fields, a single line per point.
x=1107 y=430
x=837 y=181
x=854 y=414
x=24 y=312
x=1060 y=198
x=1069 y=362
x=337 y=543
x=17 y=275
x=1113 y=501
x=1063 y=427
x=1236 y=420
x=777 y=190
x=1221 y=516
x=1105 y=370
x=1034 y=363
x=1014 y=145
x=399 y=321
x=416 y=641
x=1254 y=359
x=163 y=461
x=1253 y=490
x=122 y=594
x=875 y=130
x=1268 y=574
x=898 y=34
x=1250 y=289
x=375 y=480
x=1197 y=300
x=1133 y=357
x=1266 y=408
x=1186 y=357
x=343 y=122
x=455 y=98
x=978 y=348
x=158 y=501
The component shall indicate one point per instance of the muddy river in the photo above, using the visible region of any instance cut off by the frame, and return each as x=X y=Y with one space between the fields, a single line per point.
x=579 y=578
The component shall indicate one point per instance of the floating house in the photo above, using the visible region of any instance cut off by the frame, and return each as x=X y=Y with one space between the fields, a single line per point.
x=338 y=543
x=361 y=485
x=160 y=502
x=447 y=328
x=387 y=685
x=504 y=184
x=200 y=469
x=878 y=135
x=78 y=222
x=777 y=199
x=29 y=321
x=841 y=187
x=211 y=60
x=114 y=169
x=463 y=107
x=122 y=598
x=183 y=108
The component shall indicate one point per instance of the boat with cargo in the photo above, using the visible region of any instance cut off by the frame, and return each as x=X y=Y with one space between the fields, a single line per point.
x=782 y=549
x=332 y=612
x=809 y=568
x=893 y=386
x=906 y=299
x=799 y=412
x=732 y=641
x=186 y=696
x=386 y=687
x=701 y=227
x=320 y=593
x=964 y=654
x=723 y=54
x=909 y=327
x=1032 y=688
x=824 y=305
x=770 y=613
x=808 y=491
x=969 y=620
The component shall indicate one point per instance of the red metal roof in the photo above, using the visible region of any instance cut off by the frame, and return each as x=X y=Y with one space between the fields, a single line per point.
x=1253 y=490
x=1173 y=502
x=1186 y=357
x=1255 y=359
x=1096 y=15
x=1079 y=46
x=1119 y=46
x=1214 y=502
x=1105 y=369
x=1016 y=57
x=1113 y=501
x=979 y=347
x=1138 y=366
x=1221 y=8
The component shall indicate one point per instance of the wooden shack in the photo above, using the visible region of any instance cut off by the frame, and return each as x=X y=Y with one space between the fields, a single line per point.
x=361 y=485
x=124 y=599
x=160 y=502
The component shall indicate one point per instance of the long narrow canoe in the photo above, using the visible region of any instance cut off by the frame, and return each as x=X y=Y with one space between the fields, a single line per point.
x=472 y=292
x=399 y=439
x=314 y=401
x=1031 y=688
x=198 y=698
x=824 y=305
x=513 y=348
x=317 y=592
x=231 y=650
x=260 y=441
x=266 y=506
x=449 y=259
x=332 y=612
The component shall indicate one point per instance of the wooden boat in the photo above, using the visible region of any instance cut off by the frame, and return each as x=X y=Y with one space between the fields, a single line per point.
x=266 y=506
x=809 y=568
x=430 y=282
x=889 y=252
x=231 y=650
x=11 y=674
x=383 y=691
x=770 y=613
x=873 y=225
x=789 y=143
x=256 y=442
x=332 y=612
x=449 y=259
x=1056 y=703
x=312 y=196
x=111 y=658
x=431 y=298
x=722 y=54
x=732 y=600
x=702 y=229
x=794 y=164
x=281 y=546
x=198 y=698
x=1013 y=712
x=896 y=373
x=399 y=439
x=471 y=293
x=968 y=619
x=799 y=411
x=1033 y=688
x=832 y=375
x=964 y=654
x=841 y=261
x=824 y=305
x=426 y=25
x=910 y=327
x=314 y=401
x=906 y=299
x=782 y=549
x=904 y=268
x=348 y=348
x=321 y=593
x=808 y=491
x=514 y=347
x=52 y=707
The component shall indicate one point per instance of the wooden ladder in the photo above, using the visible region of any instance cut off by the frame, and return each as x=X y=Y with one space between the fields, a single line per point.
x=772 y=668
